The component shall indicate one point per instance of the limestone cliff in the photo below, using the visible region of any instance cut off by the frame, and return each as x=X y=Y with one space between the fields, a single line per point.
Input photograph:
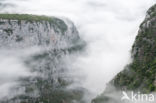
x=57 y=39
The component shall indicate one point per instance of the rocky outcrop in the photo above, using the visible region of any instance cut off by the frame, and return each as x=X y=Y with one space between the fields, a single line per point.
x=140 y=74
x=29 y=30
x=57 y=39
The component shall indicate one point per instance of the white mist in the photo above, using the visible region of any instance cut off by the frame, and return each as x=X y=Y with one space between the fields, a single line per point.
x=108 y=26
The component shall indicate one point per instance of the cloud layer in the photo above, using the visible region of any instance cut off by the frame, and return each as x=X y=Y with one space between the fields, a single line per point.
x=108 y=26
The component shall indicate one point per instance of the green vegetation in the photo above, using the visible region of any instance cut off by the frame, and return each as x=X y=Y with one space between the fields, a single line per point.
x=27 y=17
x=140 y=75
x=8 y=31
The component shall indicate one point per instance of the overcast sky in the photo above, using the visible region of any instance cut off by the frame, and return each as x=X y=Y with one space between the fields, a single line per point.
x=108 y=26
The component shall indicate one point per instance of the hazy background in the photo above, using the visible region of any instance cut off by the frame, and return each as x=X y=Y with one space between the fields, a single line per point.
x=108 y=26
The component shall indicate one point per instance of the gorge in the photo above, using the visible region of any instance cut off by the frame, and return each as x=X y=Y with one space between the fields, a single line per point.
x=41 y=54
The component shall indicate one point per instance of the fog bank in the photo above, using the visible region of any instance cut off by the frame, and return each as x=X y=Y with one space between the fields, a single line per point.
x=108 y=27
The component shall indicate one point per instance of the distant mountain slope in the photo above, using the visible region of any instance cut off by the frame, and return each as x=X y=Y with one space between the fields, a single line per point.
x=140 y=74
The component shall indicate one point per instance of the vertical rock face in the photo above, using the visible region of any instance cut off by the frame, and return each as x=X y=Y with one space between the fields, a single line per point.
x=140 y=74
x=57 y=40
x=26 y=33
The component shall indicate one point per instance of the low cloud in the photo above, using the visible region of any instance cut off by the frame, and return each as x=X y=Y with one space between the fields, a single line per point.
x=109 y=27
